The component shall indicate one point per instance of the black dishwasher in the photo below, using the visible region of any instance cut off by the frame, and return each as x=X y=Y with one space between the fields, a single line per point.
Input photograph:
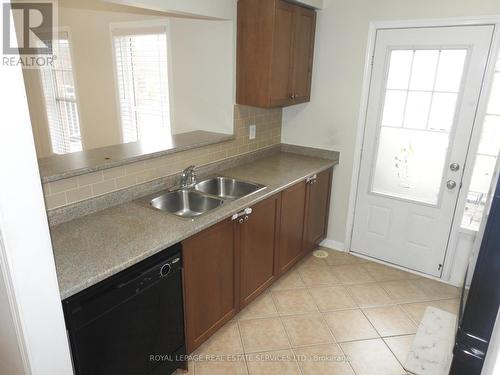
x=131 y=323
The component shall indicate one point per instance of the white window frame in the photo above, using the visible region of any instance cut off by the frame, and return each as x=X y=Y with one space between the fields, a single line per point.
x=67 y=30
x=164 y=23
x=474 y=146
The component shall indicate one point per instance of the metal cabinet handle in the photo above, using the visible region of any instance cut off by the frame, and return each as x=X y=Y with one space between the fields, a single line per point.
x=247 y=211
x=243 y=219
x=311 y=180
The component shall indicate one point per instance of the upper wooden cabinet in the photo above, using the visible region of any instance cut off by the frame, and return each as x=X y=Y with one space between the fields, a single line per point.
x=275 y=53
x=303 y=48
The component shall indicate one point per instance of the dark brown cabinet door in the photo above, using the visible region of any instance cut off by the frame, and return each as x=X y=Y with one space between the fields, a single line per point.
x=282 y=60
x=275 y=45
x=254 y=52
x=303 y=50
x=293 y=202
x=317 y=209
x=210 y=296
x=257 y=240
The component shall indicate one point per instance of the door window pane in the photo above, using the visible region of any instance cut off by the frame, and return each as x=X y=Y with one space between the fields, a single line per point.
x=450 y=70
x=410 y=164
x=410 y=158
x=399 y=70
x=394 y=108
x=442 y=111
x=417 y=109
x=424 y=69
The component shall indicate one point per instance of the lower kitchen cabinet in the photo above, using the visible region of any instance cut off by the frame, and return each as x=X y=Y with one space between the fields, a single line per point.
x=293 y=201
x=256 y=240
x=317 y=209
x=210 y=276
x=228 y=265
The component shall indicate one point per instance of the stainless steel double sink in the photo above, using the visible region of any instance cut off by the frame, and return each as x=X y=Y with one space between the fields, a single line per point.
x=203 y=196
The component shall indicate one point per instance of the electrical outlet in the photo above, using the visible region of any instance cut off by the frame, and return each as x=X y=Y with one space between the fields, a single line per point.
x=251 y=131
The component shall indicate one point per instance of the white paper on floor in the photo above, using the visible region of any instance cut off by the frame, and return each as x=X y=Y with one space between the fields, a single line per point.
x=431 y=351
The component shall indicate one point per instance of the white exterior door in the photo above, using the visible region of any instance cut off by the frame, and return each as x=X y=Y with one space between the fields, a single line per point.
x=424 y=91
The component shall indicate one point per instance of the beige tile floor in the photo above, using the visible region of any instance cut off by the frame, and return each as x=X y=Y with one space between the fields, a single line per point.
x=338 y=315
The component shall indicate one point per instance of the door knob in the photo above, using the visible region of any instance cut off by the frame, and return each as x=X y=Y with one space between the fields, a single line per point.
x=450 y=184
x=454 y=167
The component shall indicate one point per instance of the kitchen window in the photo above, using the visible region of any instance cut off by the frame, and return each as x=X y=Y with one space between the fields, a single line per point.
x=61 y=104
x=142 y=82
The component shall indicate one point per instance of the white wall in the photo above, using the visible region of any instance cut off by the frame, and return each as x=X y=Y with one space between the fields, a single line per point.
x=11 y=357
x=26 y=255
x=329 y=121
x=203 y=75
x=223 y=9
x=318 y=4
x=207 y=8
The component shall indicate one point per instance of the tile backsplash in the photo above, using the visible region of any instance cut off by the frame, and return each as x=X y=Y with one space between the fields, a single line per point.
x=75 y=189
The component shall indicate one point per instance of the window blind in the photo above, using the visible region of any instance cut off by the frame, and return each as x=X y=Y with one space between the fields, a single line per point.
x=60 y=99
x=142 y=80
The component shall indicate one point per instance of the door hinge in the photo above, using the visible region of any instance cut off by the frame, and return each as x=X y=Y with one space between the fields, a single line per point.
x=440 y=266
x=372 y=59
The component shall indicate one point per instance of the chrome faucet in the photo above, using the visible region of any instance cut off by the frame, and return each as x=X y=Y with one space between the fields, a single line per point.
x=188 y=177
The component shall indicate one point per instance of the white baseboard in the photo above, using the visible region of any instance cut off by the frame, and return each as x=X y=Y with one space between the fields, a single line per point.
x=332 y=244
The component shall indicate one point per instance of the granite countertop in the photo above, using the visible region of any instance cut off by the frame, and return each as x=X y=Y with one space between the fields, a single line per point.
x=58 y=167
x=91 y=248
